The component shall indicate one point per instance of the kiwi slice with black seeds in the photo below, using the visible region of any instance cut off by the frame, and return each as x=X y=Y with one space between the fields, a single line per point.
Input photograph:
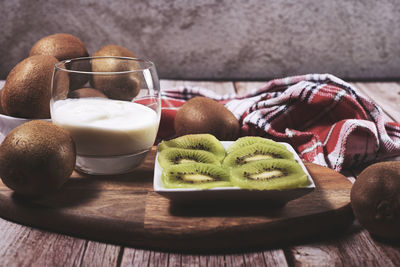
x=255 y=152
x=195 y=175
x=250 y=140
x=173 y=156
x=206 y=142
x=274 y=174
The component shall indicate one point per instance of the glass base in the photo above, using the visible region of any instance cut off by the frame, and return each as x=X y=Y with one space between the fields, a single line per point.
x=109 y=165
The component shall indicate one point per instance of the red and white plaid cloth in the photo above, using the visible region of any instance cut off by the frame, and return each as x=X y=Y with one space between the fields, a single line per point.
x=324 y=118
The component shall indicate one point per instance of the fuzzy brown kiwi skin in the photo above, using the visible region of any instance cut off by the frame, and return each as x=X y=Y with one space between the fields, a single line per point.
x=60 y=45
x=114 y=50
x=36 y=158
x=204 y=115
x=375 y=199
x=65 y=46
x=86 y=92
x=27 y=90
x=122 y=86
x=1 y=107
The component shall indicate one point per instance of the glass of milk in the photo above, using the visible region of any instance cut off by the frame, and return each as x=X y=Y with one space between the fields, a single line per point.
x=111 y=106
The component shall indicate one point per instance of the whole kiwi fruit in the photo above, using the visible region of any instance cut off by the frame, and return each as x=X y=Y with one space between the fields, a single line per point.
x=65 y=46
x=205 y=115
x=375 y=199
x=86 y=92
x=123 y=86
x=61 y=46
x=114 y=50
x=27 y=90
x=36 y=157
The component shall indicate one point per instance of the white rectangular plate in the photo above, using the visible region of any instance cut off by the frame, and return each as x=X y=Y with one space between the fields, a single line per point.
x=232 y=193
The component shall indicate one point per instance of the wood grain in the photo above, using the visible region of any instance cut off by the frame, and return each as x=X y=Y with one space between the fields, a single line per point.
x=386 y=95
x=125 y=210
x=25 y=246
x=218 y=87
x=100 y=254
x=244 y=87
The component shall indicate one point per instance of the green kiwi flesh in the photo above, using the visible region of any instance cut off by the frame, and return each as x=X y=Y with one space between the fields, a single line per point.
x=206 y=142
x=249 y=140
x=173 y=156
x=195 y=175
x=255 y=152
x=274 y=174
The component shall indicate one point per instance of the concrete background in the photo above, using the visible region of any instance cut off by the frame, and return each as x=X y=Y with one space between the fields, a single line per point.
x=220 y=39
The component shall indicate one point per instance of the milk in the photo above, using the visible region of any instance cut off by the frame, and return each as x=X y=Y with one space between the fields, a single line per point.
x=103 y=127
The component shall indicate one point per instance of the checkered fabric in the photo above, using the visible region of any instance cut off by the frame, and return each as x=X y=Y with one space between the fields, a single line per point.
x=325 y=119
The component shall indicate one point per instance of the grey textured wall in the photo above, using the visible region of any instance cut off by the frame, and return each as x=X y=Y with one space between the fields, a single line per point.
x=220 y=39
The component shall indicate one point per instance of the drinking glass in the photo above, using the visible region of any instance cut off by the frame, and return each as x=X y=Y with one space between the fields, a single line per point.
x=111 y=106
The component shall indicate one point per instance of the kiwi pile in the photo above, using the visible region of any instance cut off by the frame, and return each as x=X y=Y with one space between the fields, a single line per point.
x=27 y=91
x=255 y=163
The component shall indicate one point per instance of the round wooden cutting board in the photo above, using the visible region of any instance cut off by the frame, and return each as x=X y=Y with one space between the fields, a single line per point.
x=125 y=210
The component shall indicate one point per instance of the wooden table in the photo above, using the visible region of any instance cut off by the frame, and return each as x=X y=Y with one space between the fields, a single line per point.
x=25 y=246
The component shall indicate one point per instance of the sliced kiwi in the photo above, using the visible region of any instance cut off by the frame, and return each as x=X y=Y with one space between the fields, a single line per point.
x=249 y=140
x=172 y=156
x=275 y=174
x=206 y=142
x=195 y=175
x=255 y=152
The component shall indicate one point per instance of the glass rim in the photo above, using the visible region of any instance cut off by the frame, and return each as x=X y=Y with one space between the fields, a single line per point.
x=57 y=66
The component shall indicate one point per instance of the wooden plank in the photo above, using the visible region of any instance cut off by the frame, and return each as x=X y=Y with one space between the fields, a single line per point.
x=217 y=87
x=100 y=254
x=365 y=93
x=352 y=249
x=275 y=257
x=360 y=250
x=254 y=259
x=355 y=247
x=158 y=258
x=272 y=257
x=214 y=260
x=385 y=94
x=140 y=257
x=391 y=249
x=25 y=246
x=265 y=258
x=330 y=255
x=244 y=87
x=174 y=260
x=197 y=228
x=316 y=255
x=190 y=260
x=204 y=260
x=72 y=251
x=233 y=260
